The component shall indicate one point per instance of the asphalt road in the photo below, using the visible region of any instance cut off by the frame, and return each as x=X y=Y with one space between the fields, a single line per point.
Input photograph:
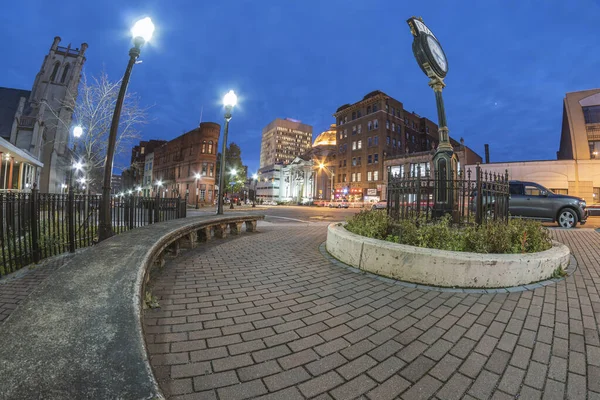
x=306 y=214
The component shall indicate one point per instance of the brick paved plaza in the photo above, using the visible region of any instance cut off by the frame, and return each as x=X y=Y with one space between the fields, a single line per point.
x=265 y=315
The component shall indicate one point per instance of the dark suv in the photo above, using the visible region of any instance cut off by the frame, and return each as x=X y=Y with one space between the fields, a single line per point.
x=531 y=200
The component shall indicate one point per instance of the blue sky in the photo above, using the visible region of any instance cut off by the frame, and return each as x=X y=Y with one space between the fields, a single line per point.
x=510 y=61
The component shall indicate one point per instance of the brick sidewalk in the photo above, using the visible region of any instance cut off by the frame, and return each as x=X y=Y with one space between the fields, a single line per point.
x=266 y=315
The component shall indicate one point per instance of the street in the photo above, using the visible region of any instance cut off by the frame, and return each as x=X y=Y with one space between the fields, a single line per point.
x=307 y=214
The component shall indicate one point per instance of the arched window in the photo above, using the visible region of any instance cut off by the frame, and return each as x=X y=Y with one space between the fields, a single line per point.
x=54 y=72
x=203 y=146
x=210 y=149
x=65 y=73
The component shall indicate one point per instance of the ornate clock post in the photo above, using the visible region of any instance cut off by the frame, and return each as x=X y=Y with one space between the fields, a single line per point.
x=432 y=60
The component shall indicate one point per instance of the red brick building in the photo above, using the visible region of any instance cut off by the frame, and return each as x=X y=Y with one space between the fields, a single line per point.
x=187 y=165
x=369 y=131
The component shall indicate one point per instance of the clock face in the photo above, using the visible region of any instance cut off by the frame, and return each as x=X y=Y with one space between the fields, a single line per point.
x=438 y=54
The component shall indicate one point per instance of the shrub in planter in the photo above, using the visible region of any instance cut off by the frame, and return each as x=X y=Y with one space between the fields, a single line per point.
x=516 y=236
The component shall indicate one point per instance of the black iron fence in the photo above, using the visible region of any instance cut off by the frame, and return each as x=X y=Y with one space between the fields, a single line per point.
x=473 y=198
x=34 y=225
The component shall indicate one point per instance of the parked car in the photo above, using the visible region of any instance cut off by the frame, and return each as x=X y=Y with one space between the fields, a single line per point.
x=380 y=205
x=532 y=200
x=339 y=204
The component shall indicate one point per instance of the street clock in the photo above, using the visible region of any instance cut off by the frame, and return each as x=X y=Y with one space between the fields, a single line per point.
x=427 y=49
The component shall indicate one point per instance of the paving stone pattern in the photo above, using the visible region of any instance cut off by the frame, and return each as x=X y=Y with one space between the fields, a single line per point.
x=15 y=287
x=267 y=316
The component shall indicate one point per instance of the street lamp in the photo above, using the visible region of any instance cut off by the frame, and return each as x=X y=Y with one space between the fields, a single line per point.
x=255 y=178
x=142 y=33
x=229 y=101
x=197 y=176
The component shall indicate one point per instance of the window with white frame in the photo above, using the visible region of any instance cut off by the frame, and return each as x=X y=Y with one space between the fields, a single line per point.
x=375 y=175
x=358 y=177
x=354 y=145
x=353 y=177
x=359 y=144
x=369 y=176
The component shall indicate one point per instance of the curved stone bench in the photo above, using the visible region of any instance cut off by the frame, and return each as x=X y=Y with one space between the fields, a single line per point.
x=441 y=267
x=79 y=335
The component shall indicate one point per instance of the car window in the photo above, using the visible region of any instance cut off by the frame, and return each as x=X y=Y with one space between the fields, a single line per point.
x=531 y=190
x=516 y=188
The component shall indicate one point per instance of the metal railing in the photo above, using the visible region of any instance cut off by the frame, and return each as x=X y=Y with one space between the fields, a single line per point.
x=34 y=225
x=475 y=199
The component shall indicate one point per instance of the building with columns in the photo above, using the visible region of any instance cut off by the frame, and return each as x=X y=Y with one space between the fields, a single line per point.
x=35 y=147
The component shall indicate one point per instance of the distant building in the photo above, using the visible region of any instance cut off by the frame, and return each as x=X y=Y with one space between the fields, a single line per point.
x=177 y=162
x=283 y=140
x=267 y=186
x=138 y=158
x=115 y=184
x=577 y=170
x=147 y=183
x=35 y=125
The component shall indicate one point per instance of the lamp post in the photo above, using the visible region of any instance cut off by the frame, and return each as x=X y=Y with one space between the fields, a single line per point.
x=330 y=172
x=233 y=174
x=77 y=132
x=255 y=178
x=142 y=33
x=197 y=176
x=229 y=101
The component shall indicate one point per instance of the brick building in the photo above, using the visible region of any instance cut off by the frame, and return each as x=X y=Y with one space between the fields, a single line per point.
x=370 y=130
x=177 y=163
x=138 y=159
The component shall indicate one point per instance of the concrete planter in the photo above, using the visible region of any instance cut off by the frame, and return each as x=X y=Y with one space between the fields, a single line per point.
x=442 y=267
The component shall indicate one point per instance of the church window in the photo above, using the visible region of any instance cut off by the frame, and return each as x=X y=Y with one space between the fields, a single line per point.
x=210 y=147
x=64 y=74
x=204 y=147
x=54 y=72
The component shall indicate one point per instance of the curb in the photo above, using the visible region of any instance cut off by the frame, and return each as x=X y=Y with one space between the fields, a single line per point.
x=532 y=286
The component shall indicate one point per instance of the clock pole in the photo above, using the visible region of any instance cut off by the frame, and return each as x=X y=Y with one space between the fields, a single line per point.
x=445 y=162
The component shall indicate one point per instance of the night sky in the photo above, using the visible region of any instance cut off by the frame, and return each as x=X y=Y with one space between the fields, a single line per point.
x=510 y=61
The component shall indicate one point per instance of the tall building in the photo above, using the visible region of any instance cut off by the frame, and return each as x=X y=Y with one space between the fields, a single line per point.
x=177 y=162
x=40 y=122
x=369 y=131
x=283 y=140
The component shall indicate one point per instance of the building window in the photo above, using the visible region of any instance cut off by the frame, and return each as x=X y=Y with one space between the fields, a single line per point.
x=344 y=163
x=344 y=177
x=204 y=168
x=345 y=147
x=210 y=170
x=369 y=125
x=387 y=124
x=210 y=147
x=427 y=129
x=354 y=130
x=375 y=107
x=203 y=146
x=375 y=124
x=339 y=177
x=354 y=161
x=341 y=135
x=375 y=158
x=393 y=142
x=398 y=129
x=405 y=121
x=359 y=144
x=368 y=110
x=375 y=175
x=353 y=115
x=341 y=149
x=594 y=149
x=591 y=114
x=54 y=72
x=354 y=145
x=369 y=176
x=345 y=133
x=369 y=142
x=64 y=77
x=358 y=177
x=369 y=159
x=413 y=124
x=388 y=140
x=393 y=127
x=359 y=128
x=353 y=177
x=375 y=140
x=393 y=111
x=596 y=195
x=358 y=162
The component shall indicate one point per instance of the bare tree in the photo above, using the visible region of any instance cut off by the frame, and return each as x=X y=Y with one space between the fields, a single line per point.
x=93 y=108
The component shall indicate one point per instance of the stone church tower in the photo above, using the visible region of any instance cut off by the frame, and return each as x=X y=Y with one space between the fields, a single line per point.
x=43 y=122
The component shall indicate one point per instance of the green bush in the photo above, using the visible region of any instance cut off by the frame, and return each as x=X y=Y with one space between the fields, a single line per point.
x=516 y=236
